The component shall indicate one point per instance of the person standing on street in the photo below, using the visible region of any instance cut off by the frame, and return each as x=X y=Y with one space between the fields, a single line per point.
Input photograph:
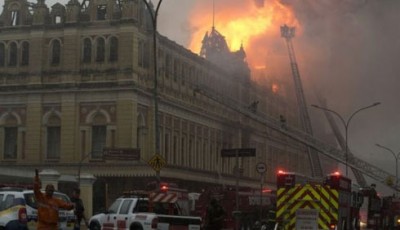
x=79 y=209
x=215 y=216
x=48 y=205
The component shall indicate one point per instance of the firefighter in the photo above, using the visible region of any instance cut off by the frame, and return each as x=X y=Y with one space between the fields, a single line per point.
x=215 y=216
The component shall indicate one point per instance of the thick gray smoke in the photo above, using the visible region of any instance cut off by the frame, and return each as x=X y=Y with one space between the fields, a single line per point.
x=350 y=51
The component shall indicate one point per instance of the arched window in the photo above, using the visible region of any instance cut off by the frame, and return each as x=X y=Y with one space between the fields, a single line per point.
x=100 y=50
x=10 y=138
x=13 y=54
x=55 y=52
x=113 y=49
x=87 y=50
x=53 y=137
x=99 y=134
x=25 y=54
x=2 y=54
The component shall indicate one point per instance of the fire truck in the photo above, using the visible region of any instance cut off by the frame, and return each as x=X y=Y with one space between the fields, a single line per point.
x=253 y=203
x=380 y=213
x=308 y=203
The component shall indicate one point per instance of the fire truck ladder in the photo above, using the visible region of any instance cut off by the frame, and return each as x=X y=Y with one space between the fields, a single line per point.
x=342 y=142
x=299 y=135
x=288 y=34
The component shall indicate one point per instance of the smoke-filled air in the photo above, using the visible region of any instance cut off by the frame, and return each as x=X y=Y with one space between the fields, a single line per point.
x=349 y=50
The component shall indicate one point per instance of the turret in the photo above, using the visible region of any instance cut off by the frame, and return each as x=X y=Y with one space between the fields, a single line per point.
x=40 y=13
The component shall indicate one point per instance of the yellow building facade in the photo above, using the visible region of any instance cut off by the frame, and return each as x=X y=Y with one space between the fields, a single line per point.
x=77 y=79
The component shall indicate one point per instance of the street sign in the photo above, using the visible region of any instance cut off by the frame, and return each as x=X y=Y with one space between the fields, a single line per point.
x=122 y=154
x=245 y=152
x=157 y=162
x=261 y=167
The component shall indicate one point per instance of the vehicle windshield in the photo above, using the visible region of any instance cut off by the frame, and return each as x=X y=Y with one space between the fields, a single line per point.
x=31 y=201
x=114 y=206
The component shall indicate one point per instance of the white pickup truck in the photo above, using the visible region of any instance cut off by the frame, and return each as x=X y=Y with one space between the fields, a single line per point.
x=132 y=213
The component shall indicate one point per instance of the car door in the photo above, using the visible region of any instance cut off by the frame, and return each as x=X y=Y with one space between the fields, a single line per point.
x=109 y=221
x=122 y=218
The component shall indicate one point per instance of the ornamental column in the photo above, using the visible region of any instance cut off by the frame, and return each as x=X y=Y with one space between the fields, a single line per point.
x=86 y=186
x=49 y=176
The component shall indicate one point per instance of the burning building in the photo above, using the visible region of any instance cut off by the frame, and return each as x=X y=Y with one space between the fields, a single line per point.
x=78 y=97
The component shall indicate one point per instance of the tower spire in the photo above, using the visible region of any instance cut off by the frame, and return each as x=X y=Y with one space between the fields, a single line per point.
x=213 y=14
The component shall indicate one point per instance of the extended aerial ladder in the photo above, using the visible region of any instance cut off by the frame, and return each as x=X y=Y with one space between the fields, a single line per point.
x=342 y=142
x=301 y=136
x=288 y=34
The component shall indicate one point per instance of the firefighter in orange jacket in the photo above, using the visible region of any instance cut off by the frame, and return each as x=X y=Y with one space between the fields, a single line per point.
x=48 y=206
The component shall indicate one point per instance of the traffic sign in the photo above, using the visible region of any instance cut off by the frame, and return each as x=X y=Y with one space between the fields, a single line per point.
x=157 y=162
x=261 y=167
x=245 y=152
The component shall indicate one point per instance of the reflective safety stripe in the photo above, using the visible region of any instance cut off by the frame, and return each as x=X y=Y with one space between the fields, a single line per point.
x=318 y=197
x=163 y=197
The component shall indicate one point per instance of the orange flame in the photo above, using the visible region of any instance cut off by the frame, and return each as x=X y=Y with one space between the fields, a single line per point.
x=243 y=23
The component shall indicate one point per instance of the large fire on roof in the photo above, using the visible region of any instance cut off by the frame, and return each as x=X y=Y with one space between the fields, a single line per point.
x=251 y=24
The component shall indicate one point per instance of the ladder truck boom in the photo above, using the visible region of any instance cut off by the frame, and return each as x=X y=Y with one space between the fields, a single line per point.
x=342 y=142
x=299 y=135
x=288 y=33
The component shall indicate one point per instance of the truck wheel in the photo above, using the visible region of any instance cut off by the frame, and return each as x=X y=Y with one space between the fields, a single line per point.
x=94 y=226
x=136 y=227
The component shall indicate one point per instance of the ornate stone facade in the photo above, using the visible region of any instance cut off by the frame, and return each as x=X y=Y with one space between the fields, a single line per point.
x=77 y=78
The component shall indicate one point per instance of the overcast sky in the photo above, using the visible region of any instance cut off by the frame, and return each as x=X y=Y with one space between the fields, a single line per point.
x=348 y=49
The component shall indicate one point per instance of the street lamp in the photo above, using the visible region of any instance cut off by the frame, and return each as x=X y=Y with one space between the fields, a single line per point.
x=396 y=157
x=346 y=125
x=153 y=15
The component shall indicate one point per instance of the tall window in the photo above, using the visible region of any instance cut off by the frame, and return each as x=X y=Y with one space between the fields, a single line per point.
x=113 y=49
x=53 y=137
x=143 y=51
x=176 y=69
x=56 y=52
x=100 y=50
x=98 y=140
x=25 y=54
x=168 y=62
x=10 y=142
x=87 y=50
x=101 y=12
x=14 y=18
x=13 y=54
x=2 y=54
x=99 y=135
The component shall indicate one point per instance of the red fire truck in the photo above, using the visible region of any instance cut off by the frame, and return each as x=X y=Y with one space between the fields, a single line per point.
x=307 y=203
x=253 y=203
x=380 y=212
